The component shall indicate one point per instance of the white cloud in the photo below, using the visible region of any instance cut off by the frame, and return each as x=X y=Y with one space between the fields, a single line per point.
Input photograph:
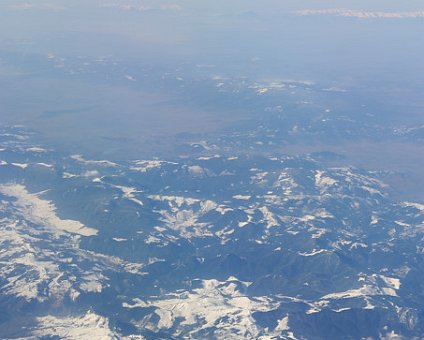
x=198 y=171
x=143 y=6
x=341 y=12
x=171 y=7
x=45 y=6
x=91 y=173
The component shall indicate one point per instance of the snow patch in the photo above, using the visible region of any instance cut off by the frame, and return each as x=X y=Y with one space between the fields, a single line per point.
x=213 y=303
x=88 y=326
x=147 y=165
x=36 y=149
x=269 y=217
x=323 y=181
x=314 y=252
x=418 y=206
x=42 y=212
x=242 y=197
x=105 y=163
x=20 y=165
x=129 y=193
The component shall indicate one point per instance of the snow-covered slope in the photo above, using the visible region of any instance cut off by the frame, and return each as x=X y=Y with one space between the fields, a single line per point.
x=217 y=246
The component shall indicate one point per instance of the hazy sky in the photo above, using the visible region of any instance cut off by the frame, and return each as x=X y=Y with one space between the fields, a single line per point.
x=228 y=33
x=374 y=47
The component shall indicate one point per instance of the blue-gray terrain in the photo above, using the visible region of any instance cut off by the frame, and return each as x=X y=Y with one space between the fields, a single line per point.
x=216 y=245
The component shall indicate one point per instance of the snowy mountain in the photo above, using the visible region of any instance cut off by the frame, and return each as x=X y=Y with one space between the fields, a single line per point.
x=210 y=246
